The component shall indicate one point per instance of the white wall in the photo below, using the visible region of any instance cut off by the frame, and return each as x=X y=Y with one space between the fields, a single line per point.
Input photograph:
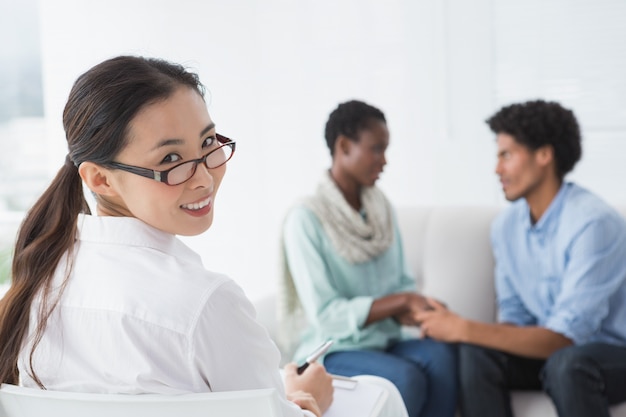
x=274 y=70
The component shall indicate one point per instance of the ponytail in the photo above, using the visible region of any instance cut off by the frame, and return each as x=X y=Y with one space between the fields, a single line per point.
x=46 y=234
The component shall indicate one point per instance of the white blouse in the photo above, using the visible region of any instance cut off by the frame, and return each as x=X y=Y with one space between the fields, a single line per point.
x=140 y=314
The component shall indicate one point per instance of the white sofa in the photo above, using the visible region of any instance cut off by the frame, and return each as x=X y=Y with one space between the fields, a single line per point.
x=449 y=251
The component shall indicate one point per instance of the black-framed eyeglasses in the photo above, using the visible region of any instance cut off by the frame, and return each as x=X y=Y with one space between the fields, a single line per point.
x=185 y=170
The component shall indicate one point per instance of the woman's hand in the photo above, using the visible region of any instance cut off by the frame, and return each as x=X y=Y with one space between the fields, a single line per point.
x=402 y=307
x=414 y=304
x=312 y=390
x=305 y=401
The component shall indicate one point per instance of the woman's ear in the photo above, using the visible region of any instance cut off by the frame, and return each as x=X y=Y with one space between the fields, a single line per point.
x=97 y=178
x=342 y=145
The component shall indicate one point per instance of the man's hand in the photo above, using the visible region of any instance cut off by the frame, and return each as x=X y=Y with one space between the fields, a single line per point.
x=441 y=324
x=402 y=307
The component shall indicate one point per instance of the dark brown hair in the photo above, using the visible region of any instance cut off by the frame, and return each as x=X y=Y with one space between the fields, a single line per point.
x=537 y=123
x=349 y=119
x=100 y=107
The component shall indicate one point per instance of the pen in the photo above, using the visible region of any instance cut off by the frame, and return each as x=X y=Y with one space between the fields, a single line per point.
x=315 y=356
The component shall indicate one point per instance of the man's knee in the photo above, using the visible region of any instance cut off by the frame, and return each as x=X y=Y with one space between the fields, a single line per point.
x=568 y=368
x=476 y=363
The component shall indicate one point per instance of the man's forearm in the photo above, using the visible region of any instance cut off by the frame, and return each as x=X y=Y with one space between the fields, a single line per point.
x=531 y=341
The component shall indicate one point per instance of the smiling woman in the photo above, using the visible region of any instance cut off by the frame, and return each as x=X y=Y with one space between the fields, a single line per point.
x=120 y=284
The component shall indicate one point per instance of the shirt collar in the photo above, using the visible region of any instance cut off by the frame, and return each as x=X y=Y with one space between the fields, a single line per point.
x=551 y=214
x=130 y=231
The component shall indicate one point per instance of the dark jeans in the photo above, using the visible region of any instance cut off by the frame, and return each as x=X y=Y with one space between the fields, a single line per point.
x=581 y=380
x=423 y=370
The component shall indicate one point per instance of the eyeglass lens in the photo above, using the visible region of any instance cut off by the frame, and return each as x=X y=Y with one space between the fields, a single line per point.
x=214 y=159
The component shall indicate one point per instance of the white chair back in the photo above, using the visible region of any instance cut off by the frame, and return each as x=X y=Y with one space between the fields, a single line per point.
x=30 y=402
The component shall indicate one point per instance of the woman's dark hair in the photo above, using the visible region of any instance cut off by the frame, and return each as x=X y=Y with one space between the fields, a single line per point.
x=538 y=123
x=348 y=119
x=100 y=107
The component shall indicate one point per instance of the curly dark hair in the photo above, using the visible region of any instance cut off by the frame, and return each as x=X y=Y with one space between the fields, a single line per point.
x=537 y=123
x=349 y=119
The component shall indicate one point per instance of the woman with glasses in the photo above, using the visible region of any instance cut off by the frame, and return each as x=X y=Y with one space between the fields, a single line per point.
x=113 y=302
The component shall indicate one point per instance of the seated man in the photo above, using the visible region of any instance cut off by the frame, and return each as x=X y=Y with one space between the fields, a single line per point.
x=560 y=255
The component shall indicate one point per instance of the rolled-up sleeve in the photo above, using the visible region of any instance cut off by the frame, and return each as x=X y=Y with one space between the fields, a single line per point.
x=596 y=268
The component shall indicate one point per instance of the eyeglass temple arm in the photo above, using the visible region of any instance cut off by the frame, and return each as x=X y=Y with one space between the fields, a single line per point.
x=222 y=139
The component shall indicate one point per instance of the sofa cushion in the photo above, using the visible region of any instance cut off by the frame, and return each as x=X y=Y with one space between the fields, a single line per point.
x=449 y=252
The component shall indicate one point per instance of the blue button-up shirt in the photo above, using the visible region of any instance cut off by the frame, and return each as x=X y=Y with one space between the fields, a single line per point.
x=566 y=272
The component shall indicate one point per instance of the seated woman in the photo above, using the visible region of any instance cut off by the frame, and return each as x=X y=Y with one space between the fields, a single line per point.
x=344 y=255
x=115 y=303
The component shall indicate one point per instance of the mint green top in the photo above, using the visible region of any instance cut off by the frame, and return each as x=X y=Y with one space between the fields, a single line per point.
x=336 y=295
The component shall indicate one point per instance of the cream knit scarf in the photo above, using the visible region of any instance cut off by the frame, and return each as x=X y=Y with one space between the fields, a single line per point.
x=356 y=238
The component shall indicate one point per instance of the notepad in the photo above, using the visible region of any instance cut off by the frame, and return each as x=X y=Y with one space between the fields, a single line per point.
x=356 y=398
x=344 y=382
